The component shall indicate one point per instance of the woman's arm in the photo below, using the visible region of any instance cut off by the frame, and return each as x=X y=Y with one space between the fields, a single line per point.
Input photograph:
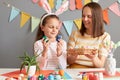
x=71 y=58
x=98 y=61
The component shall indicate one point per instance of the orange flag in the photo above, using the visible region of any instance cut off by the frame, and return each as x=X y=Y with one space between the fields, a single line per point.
x=40 y=3
x=105 y=16
x=24 y=18
x=78 y=4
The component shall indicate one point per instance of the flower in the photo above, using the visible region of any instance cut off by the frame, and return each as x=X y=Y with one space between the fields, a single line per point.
x=117 y=45
x=113 y=46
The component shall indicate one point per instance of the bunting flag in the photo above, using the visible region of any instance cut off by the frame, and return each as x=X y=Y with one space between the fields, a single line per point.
x=105 y=16
x=95 y=1
x=14 y=13
x=35 y=22
x=72 y=4
x=115 y=8
x=78 y=23
x=34 y=1
x=78 y=4
x=86 y=1
x=51 y=3
x=24 y=18
x=68 y=26
x=58 y=4
x=40 y=3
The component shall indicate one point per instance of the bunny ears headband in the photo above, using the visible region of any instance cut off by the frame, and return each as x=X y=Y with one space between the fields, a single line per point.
x=47 y=8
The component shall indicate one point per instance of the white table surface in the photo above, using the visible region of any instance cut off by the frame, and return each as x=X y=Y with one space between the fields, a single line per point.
x=72 y=72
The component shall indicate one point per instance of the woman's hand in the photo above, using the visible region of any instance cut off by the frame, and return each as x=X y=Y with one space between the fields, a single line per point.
x=98 y=60
x=71 y=57
x=91 y=54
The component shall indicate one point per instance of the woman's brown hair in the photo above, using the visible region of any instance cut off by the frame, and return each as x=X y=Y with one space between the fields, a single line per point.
x=97 y=20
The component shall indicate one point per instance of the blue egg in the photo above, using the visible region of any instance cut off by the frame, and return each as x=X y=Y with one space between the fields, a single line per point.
x=58 y=77
x=58 y=37
x=51 y=77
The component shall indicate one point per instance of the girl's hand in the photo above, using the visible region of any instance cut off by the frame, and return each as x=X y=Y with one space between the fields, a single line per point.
x=45 y=47
x=59 y=47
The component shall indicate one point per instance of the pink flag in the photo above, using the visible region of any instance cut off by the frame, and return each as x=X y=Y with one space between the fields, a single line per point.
x=115 y=8
x=34 y=1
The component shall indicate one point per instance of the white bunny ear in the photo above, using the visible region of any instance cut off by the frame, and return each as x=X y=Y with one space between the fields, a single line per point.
x=46 y=6
x=63 y=8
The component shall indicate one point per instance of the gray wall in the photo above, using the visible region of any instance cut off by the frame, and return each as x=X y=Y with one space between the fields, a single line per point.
x=15 y=40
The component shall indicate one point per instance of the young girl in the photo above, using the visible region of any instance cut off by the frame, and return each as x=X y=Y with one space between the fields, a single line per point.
x=52 y=52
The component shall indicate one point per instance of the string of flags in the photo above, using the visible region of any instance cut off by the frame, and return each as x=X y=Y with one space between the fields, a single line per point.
x=68 y=24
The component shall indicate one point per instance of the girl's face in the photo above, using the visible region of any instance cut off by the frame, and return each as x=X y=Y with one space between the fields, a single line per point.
x=87 y=18
x=51 y=28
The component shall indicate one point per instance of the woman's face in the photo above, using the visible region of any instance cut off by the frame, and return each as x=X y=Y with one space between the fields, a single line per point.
x=87 y=18
x=51 y=28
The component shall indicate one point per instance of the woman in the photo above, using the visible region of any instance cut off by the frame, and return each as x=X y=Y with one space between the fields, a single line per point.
x=91 y=40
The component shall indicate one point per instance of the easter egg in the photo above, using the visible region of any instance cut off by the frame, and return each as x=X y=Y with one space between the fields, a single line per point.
x=51 y=77
x=58 y=77
x=41 y=77
x=61 y=72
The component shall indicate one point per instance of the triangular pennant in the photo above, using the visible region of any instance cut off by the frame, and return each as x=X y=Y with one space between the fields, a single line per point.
x=72 y=4
x=24 y=18
x=58 y=4
x=34 y=1
x=14 y=13
x=51 y=3
x=95 y=1
x=40 y=3
x=105 y=16
x=86 y=1
x=78 y=4
x=115 y=8
x=78 y=23
x=68 y=26
x=35 y=22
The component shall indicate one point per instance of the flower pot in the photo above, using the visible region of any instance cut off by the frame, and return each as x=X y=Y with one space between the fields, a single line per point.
x=31 y=70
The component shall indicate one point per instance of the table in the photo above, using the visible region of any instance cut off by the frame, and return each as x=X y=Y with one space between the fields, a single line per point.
x=72 y=72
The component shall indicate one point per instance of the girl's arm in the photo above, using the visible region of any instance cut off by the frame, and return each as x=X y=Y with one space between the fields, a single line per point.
x=38 y=49
x=62 y=56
